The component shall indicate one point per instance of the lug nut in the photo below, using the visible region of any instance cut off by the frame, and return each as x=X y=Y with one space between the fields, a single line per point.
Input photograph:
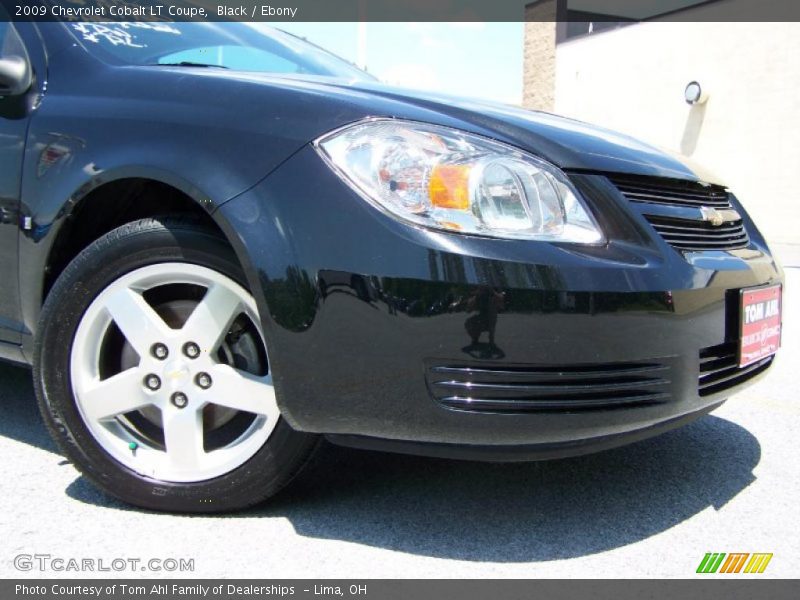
x=152 y=382
x=179 y=399
x=191 y=350
x=159 y=351
x=203 y=380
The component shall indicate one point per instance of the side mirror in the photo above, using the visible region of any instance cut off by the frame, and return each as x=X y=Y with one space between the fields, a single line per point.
x=16 y=76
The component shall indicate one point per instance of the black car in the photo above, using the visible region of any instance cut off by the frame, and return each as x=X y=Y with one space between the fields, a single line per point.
x=221 y=245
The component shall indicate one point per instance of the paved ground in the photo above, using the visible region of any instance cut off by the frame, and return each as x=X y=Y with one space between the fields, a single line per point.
x=726 y=483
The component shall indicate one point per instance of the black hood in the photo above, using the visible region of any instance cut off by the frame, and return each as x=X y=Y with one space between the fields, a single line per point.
x=568 y=143
x=310 y=106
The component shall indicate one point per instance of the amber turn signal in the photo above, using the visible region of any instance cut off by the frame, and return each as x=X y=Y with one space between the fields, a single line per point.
x=449 y=186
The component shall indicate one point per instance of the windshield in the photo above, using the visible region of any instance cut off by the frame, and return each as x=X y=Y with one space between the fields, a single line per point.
x=239 y=46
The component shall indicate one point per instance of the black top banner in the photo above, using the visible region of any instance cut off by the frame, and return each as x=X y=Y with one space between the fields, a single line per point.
x=401 y=10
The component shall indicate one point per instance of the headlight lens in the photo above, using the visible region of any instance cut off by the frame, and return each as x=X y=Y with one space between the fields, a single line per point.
x=455 y=181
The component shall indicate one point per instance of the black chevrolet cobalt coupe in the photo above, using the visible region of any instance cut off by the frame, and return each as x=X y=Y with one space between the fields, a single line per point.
x=221 y=244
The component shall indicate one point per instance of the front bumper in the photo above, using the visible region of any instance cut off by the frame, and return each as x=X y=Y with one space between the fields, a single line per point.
x=374 y=327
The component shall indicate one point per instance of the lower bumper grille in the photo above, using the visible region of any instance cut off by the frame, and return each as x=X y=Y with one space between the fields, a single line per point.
x=530 y=388
x=719 y=369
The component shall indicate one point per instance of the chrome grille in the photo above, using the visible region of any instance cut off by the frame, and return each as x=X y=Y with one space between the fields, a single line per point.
x=672 y=192
x=719 y=369
x=685 y=234
x=533 y=388
x=672 y=207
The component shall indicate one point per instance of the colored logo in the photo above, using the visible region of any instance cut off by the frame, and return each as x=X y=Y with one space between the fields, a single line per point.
x=735 y=562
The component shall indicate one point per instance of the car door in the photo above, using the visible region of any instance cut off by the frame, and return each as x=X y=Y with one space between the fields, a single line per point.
x=14 y=117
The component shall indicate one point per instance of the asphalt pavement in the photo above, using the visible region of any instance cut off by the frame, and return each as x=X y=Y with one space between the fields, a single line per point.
x=726 y=483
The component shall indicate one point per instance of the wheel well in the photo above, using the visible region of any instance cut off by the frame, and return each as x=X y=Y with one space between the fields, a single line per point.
x=110 y=206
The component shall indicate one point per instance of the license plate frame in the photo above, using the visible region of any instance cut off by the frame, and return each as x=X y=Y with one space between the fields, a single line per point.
x=760 y=323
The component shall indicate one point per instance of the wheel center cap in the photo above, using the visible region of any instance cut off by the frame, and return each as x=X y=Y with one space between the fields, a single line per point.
x=176 y=372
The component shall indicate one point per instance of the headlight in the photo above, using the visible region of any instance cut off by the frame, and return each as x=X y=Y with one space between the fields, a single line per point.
x=455 y=181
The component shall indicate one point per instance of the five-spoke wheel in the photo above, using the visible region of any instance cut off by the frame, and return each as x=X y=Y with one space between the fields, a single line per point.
x=168 y=399
x=160 y=413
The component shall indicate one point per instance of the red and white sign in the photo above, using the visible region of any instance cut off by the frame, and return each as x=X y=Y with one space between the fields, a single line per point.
x=761 y=324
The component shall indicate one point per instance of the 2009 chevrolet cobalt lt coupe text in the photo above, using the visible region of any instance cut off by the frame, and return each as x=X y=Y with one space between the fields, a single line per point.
x=220 y=244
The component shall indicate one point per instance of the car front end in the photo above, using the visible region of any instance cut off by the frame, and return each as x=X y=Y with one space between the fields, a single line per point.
x=392 y=332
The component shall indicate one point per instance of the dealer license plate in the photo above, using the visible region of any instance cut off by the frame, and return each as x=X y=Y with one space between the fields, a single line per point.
x=760 y=324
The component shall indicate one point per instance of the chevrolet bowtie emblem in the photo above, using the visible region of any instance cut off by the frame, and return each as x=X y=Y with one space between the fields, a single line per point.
x=717 y=217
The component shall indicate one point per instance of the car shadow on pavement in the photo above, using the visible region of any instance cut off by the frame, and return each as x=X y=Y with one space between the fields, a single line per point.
x=521 y=512
x=517 y=512
x=21 y=420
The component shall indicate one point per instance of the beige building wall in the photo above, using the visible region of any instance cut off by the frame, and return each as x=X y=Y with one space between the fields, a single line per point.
x=539 y=78
x=632 y=80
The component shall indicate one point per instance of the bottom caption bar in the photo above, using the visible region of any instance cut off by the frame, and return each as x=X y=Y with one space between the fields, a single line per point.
x=440 y=589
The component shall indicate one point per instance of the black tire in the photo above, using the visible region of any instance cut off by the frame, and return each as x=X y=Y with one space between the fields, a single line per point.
x=138 y=244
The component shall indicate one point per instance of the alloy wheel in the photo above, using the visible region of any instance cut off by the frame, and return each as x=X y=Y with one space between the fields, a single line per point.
x=170 y=374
